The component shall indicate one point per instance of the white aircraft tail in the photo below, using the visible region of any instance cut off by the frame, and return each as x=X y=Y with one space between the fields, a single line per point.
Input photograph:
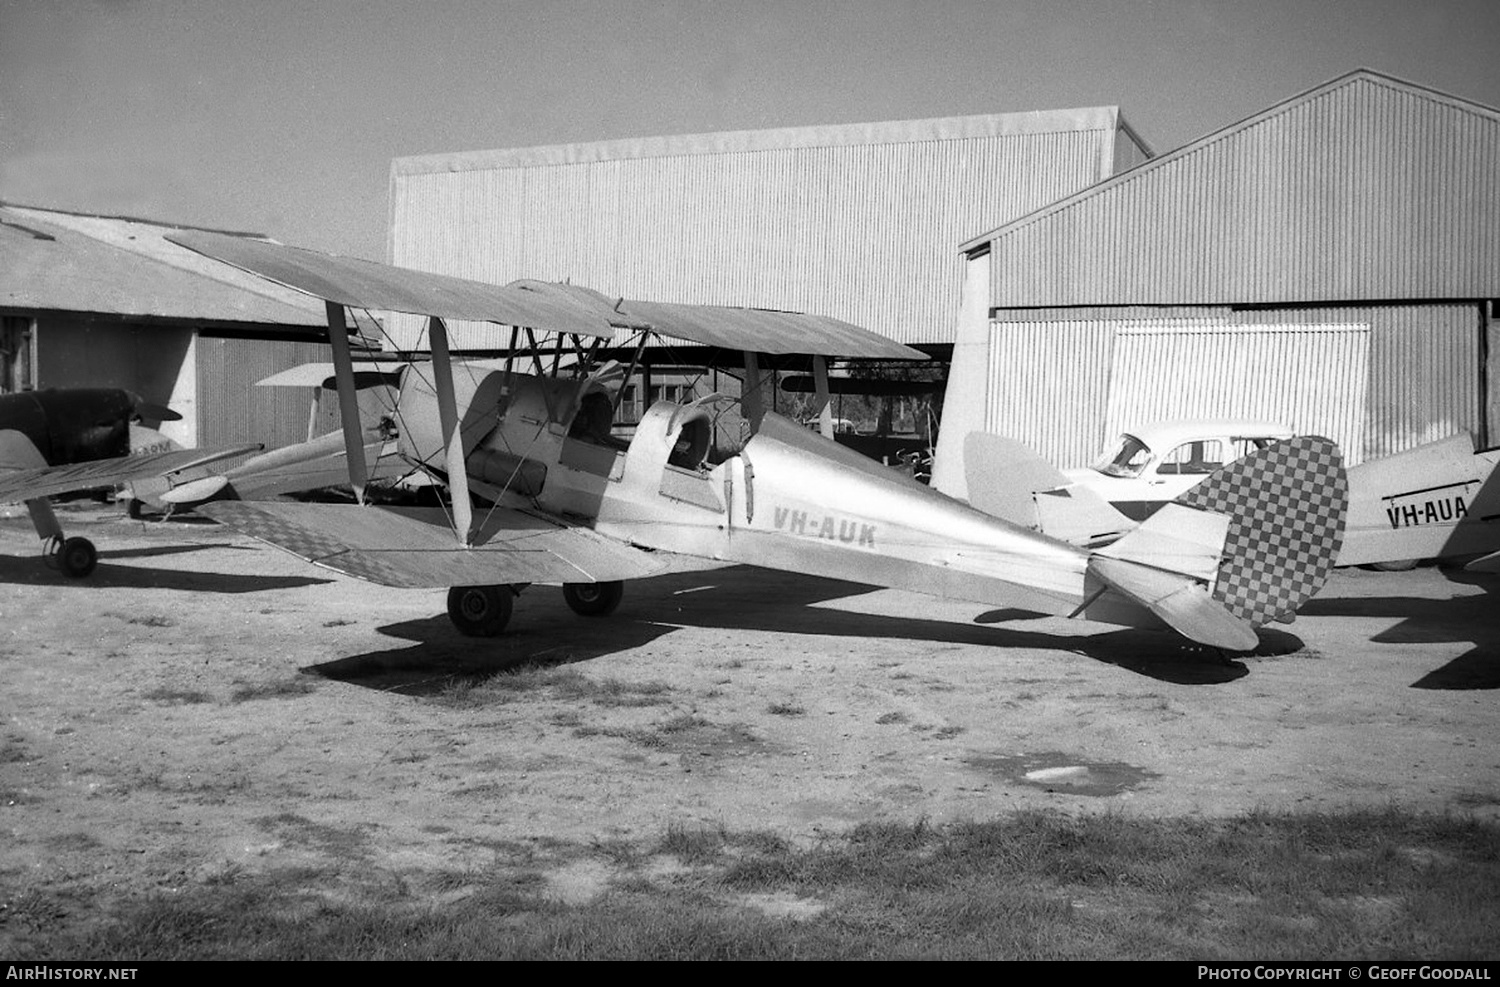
x=1010 y=481
x=1248 y=545
x=1255 y=541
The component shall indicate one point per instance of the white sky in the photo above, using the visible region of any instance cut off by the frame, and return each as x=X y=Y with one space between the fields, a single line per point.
x=282 y=116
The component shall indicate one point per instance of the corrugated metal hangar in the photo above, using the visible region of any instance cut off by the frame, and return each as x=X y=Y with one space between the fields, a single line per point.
x=91 y=301
x=1332 y=262
x=859 y=222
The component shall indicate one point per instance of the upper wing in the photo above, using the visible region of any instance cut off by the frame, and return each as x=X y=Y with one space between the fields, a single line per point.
x=538 y=304
x=759 y=329
x=415 y=548
x=366 y=284
x=47 y=481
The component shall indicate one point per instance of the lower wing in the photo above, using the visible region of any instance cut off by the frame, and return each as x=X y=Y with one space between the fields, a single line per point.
x=22 y=479
x=416 y=548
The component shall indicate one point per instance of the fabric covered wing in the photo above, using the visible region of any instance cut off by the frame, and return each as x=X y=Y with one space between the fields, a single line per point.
x=760 y=329
x=415 y=548
x=366 y=284
x=48 y=481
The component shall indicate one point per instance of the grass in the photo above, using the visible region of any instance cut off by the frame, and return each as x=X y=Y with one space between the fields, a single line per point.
x=143 y=620
x=1361 y=885
x=285 y=688
x=552 y=682
x=177 y=697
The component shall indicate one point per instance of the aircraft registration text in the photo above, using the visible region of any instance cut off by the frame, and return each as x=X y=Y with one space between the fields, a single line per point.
x=828 y=526
x=1436 y=505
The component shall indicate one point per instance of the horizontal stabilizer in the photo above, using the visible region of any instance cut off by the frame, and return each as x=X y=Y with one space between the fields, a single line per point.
x=367 y=373
x=29 y=484
x=1183 y=603
x=416 y=548
x=1178 y=539
x=1485 y=563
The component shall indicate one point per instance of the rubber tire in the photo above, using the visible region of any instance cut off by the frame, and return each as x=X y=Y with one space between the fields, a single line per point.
x=480 y=611
x=1396 y=565
x=77 y=557
x=594 y=599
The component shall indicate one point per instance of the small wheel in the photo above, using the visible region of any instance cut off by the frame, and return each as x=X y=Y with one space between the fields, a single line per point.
x=480 y=611
x=594 y=599
x=1396 y=565
x=77 y=557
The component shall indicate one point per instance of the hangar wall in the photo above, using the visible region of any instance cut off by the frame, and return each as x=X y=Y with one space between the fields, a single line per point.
x=227 y=369
x=1377 y=379
x=853 y=221
x=1365 y=202
x=80 y=352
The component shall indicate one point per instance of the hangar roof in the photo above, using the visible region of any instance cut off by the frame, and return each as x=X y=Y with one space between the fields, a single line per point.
x=114 y=266
x=1365 y=188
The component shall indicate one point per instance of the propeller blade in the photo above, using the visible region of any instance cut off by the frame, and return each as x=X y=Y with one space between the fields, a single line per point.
x=157 y=412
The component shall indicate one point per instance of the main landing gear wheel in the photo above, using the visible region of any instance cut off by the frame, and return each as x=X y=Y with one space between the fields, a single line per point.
x=594 y=599
x=76 y=557
x=480 y=611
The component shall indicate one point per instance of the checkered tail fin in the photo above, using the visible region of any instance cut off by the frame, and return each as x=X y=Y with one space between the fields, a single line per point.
x=1286 y=506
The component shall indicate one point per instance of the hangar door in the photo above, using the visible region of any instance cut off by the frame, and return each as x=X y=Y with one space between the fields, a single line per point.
x=1312 y=377
x=1067 y=388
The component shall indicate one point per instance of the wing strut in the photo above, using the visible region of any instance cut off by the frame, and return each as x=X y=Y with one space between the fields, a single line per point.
x=453 y=455
x=824 y=401
x=752 y=397
x=343 y=372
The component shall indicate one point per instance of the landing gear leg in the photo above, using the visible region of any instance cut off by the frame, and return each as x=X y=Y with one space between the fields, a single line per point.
x=76 y=557
x=481 y=611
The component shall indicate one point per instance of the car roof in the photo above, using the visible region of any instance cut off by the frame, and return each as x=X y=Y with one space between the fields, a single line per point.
x=1166 y=435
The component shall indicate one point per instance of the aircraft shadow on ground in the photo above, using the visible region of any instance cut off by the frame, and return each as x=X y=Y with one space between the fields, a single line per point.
x=1458 y=619
x=746 y=599
x=35 y=570
x=148 y=553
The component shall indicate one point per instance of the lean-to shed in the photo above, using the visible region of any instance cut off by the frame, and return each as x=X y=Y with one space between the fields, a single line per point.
x=101 y=301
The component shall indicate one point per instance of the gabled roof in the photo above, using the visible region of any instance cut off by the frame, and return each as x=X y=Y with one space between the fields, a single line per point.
x=115 y=266
x=1364 y=188
x=1027 y=123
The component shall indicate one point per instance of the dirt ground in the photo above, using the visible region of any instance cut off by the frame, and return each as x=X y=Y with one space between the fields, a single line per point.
x=205 y=706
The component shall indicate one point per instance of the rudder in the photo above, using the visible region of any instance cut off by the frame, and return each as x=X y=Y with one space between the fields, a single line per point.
x=1286 y=506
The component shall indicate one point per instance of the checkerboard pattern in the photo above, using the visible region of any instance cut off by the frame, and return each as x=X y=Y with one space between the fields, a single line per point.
x=1286 y=506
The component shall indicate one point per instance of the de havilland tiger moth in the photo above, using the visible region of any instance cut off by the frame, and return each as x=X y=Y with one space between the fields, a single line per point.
x=538 y=492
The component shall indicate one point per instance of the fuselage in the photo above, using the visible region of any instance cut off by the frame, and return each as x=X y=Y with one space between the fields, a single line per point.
x=790 y=499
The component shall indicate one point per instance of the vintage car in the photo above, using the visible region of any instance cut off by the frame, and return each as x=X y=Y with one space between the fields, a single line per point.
x=1156 y=463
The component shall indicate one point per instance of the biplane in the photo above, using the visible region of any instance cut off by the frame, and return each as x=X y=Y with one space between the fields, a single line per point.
x=68 y=440
x=538 y=491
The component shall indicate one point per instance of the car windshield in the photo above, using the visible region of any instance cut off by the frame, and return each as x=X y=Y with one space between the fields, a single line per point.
x=1127 y=458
